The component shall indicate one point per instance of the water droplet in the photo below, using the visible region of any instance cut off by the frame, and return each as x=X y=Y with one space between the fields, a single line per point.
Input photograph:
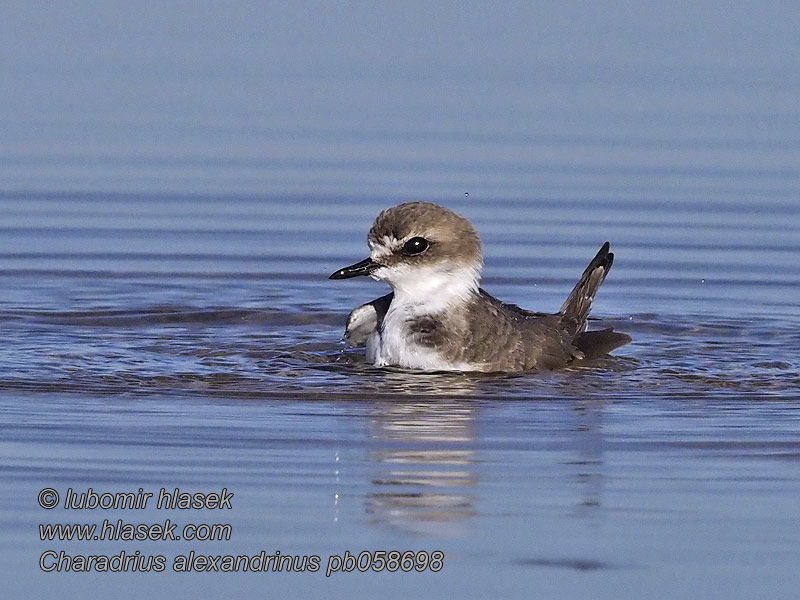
x=466 y=194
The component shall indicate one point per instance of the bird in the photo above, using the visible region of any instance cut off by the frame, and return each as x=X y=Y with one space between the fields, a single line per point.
x=438 y=318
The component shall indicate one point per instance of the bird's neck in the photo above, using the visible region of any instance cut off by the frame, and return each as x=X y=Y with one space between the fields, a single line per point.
x=434 y=291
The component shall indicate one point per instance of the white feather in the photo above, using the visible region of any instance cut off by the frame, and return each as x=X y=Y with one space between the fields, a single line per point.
x=419 y=292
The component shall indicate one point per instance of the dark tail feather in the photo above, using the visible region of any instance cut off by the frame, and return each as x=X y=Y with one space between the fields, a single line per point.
x=594 y=344
x=576 y=308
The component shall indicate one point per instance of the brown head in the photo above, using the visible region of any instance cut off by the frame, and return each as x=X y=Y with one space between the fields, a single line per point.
x=418 y=248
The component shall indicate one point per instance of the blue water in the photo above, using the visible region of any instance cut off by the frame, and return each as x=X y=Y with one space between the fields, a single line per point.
x=176 y=183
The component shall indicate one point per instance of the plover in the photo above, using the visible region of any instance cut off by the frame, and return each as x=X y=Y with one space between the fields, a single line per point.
x=437 y=318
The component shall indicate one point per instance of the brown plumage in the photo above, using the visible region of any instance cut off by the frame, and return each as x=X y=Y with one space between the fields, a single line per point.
x=437 y=318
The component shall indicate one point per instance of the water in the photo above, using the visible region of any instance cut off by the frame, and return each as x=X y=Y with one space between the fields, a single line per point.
x=169 y=213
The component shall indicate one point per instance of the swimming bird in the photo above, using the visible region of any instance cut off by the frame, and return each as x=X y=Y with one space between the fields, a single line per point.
x=437 y=318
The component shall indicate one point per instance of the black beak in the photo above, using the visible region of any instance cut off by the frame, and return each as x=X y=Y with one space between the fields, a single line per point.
x=365 y=267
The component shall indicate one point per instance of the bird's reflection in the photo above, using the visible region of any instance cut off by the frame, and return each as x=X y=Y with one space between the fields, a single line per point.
x=588 y=466
x=427 y=454
x=424 y=460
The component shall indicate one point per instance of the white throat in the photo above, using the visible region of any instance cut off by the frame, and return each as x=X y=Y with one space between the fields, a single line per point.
x=418 y=291
x=430 y=290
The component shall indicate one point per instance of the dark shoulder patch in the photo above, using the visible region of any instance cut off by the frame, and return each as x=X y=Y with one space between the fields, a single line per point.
x=423 y=325
x=426 y=330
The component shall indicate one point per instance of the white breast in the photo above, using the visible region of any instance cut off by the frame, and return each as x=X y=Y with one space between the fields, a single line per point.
x=419 y=292
x=394 y=346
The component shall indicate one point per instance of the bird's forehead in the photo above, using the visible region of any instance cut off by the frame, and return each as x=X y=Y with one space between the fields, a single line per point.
x=389 y=236
x=389 y=230
x=384 y=245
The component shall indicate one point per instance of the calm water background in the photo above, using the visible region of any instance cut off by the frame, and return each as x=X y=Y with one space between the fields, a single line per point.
x=176 y=183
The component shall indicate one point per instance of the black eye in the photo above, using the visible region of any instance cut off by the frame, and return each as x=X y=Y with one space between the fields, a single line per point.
x=415 y=245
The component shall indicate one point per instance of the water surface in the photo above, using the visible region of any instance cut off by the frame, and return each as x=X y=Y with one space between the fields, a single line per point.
x=196 y=343
x=177 y=185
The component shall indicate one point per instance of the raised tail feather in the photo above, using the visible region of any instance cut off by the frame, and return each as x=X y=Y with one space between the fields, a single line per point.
x=575 y=309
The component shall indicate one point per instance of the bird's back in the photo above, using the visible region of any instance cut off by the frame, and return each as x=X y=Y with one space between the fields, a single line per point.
x=503 y=337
